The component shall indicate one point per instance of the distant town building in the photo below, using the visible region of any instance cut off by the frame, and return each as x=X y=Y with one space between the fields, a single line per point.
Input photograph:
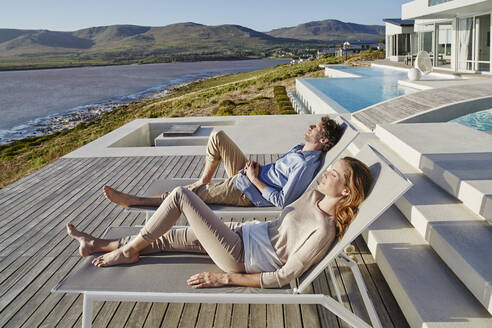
x=356 y=47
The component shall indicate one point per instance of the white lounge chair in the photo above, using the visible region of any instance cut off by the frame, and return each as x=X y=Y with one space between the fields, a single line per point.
x=138 y=283
x=158 y=187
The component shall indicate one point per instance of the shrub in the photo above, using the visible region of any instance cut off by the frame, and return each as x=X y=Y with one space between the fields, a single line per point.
x=223 y=111
x=282 y=98
x=260 y=112
x=227 y=103
x=288 y=112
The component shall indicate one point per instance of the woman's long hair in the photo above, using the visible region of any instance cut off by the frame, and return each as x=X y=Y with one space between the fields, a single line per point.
x=358 y=181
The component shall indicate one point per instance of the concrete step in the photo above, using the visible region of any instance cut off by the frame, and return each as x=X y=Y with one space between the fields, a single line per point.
x=461 y=238
x=455 y=157
x=428 y=293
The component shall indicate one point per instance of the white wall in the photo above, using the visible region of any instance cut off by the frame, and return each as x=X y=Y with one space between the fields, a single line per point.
x=420 y=8
x=315 y=101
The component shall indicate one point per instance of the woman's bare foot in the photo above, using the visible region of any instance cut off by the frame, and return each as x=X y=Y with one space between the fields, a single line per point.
x=116 y=257
x=119 y=197
x=86 y=242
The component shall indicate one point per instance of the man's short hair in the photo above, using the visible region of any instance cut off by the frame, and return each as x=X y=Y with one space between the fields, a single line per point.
x=332 y=131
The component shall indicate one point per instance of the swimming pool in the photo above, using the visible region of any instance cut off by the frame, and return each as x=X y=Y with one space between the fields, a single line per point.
x=351 y=94
x=481 y=121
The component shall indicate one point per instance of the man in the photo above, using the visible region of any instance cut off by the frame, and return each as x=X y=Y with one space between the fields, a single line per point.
x=249 y=184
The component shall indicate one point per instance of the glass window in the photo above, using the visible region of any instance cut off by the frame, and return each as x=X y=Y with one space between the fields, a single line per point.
x=436 y=2
x=444 y=45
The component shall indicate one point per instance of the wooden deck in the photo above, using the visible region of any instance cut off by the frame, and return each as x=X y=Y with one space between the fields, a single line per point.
x=403 y=107
x=35 y=254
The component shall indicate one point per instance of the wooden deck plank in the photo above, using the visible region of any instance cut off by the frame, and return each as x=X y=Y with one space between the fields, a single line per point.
x=380 y=287
x=34 y=197
x=223 y=316
x=173 y=315
x=121 y=315
x=35 y=210
x=54 y=314
x=106 y=315
x=45 y=188
x=354 y=298
x=405 y=106
x=156 y=315
x=58 y=269
x=309 y=312
x=10 y=195
x=68 y=254
x=75 y=206
x=75 y=310
x=189 y=315
x=43 y=174
x=39 y=218
x=38 y=291
x=326 y=319
x=9 y=295
x=103 y=312
x=378 y=303
x=275 y=315
x=206 y=316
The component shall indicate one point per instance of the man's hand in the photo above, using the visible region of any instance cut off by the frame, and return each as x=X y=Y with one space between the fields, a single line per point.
x=207 y=279
x=252 y=169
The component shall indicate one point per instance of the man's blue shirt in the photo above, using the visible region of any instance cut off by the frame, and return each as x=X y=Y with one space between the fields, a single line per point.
x=286 y=179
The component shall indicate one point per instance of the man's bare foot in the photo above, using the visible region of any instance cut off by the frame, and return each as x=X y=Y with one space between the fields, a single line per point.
x=119 y=197
x=86 y=242
x=116 y=257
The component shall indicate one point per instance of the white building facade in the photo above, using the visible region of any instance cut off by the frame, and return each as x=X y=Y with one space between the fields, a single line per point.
x=456 y=33
x=399 y=36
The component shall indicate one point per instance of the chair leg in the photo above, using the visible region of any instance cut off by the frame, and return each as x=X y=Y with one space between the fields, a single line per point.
x=87 y=312
x=363 y=290
x=335 y=284
x=340 y=311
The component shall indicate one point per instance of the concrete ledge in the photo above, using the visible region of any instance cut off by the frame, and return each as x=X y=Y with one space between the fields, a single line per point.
x=427 y=291
x=450 y=112
x=319 y=103
x=461 y=238
x=249 y=132
x=455 y=157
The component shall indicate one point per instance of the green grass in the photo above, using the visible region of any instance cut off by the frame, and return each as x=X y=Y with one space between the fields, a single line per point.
x=235 y=94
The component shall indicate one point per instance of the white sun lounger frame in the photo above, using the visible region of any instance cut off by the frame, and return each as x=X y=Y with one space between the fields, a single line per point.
x=390 y=184
x=349 y=134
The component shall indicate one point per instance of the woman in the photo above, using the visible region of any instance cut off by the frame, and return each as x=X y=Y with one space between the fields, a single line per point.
x=261 y=254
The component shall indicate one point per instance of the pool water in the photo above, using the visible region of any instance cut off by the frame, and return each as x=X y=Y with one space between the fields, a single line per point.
x=481 y=121
x=374 y=85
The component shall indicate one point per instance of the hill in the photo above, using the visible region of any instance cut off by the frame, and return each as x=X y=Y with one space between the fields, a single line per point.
x=126 y=44
x=330 y=30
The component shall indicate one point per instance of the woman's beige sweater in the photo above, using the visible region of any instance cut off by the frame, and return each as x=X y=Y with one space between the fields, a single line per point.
x=301 y=236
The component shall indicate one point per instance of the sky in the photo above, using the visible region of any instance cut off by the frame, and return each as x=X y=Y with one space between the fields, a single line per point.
x=260 y=15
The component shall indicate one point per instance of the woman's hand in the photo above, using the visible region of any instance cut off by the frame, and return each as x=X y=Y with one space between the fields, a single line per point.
x=207 y=279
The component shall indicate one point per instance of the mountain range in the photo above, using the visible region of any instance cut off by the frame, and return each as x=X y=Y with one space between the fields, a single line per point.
x=182 y=39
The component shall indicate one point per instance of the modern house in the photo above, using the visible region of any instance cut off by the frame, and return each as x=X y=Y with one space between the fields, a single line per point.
x=399 y=36
x=456 y=33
